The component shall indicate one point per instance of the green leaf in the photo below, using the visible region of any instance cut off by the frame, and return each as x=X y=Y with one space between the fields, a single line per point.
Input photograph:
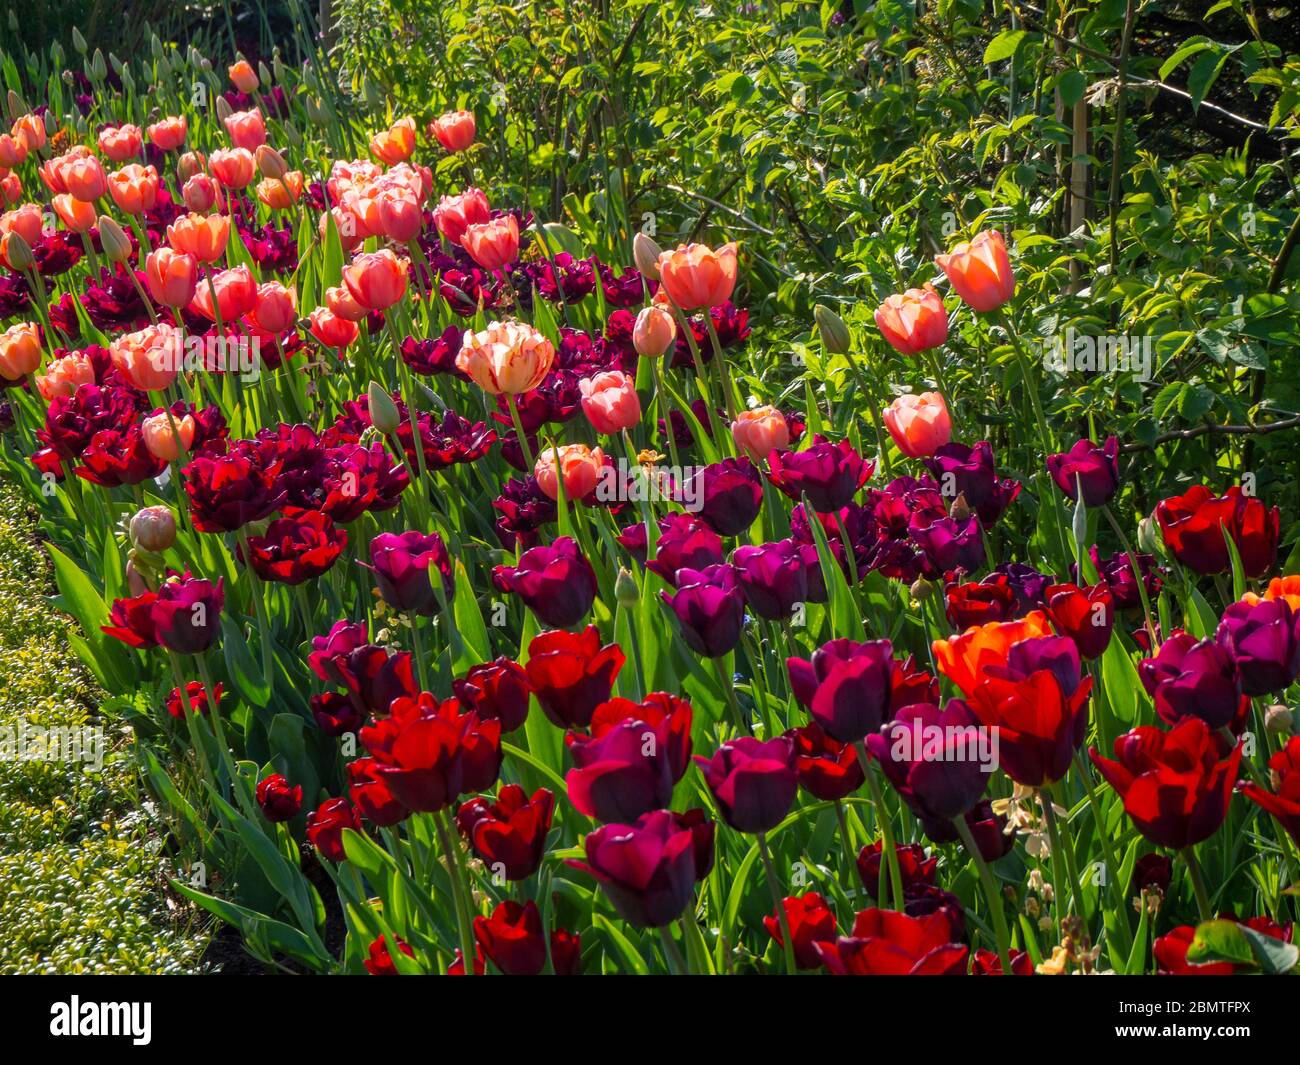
x=1004 y=45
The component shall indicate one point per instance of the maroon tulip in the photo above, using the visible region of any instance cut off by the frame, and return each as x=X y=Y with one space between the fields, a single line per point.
x=379 y=961
x=117 y=457
x=566 y=952
x=186 y=614
x=508 y=835
x=992 y=599
x=402 y=563
x=710 y=608
x=512 y=938
x=845 y=686
x=917 y=871
x=753 y=782
x=773 y=577
x=131 y=621
x=729 y=494
x=811 y=922
x=829 y=475
x=684 y=542
x=1194 y=678
x=555 y=582
x=297 y=547
x=572 y=674
x=969 y=472
x=369 y=791
x=989 y=963
x=931 y=758
x=1264 y=637
x=336 y=714
x=279 y=801
x=325 y=827
x=1096 y=468
x=1193 y=526
x=227 y=492
x=1086 y=615
x=885 y=943
x=828 y=770
x=195 y=701
x=496 y=691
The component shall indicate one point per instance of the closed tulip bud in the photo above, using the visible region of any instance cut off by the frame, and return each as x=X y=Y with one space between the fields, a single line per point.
x=117 y=245
x=263 y=75
x=626 y=593
x=153 y=529
x=270 y=162
x=224 y=110
x=835 y=334
x=315 y=113
x=1277 y=718
x=78 y=41
x=383 y=411
x=1146 y=537
x=645 y=253
x=17 y=252
x=98 y=68
x=922 y=589
x=654 y=331
x=188 y=165
x=960 y=509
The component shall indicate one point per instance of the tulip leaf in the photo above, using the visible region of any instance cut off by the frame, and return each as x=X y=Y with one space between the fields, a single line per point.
x=274 y=936
x=245 y=674
x=1220 y=941
x=621 y=943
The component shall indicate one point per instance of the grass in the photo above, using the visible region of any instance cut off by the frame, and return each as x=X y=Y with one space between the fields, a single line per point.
x=82 y=886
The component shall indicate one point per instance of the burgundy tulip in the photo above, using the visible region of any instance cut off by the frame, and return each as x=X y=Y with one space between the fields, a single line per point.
x=753 y=782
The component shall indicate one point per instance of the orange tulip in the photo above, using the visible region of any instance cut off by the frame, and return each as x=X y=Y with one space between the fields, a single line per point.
x=20 y=351
x=160 y=432
x=506 y=357
x=455 y=213
x=341 y=302
x=695 y=276
x=13 y=151
x=27 y=221
x=281 y=193
x=963 y=659
x=610 y=402
x=330 y=329
x=171 y=276
x=654 y=331
x=759 y=432
x=84 y=178
x=920 y=425
x=494 y=243
x=345 y=225
x=247 y=129
x=233 y=167
x=77 y=215
x=30 y=129
x=576 y=465
x=236 y=293
x=52 y=170
x=913 y=321
x=64 y=376
x=276 y=308
x=395 y=144
x=203 y=236
x=11 y=189
x=201 y=193
x=980 y=272
x=122 y=142
x=454 y=130
x=376 y=280
x=134 y=188
x=1287 y=588
x=400 y=217
x=242 y=76
x=150 y=358
x=169 y=133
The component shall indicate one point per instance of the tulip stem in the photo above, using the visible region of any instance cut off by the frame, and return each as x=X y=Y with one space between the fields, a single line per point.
x=1198 y=885
x=667 y=408
x=214 y=714
x=263 y=625
x=458 y=889
x=886 y=828
x=991 y=895
x=676 y=962
x=1059 y=874
x=1137 y=576
x=728 y=686
x=782 y=917
x=529 y=458
x=1108 y=855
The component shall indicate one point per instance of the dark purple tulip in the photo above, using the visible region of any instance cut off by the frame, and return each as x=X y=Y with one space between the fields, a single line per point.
x=1117 y=574
x=372 y=676
x=555 y=582
x=1027 y=584
x=401 y=563
x=829 y=475
x=753 y=782
x=1096 y=468
x=1265 y=640
x=647 y=868
x=710 y=607
x=1057 y=654
x=1191 y=678
x=950 y=544
x=343 y=638
x=729 y=495
x=773 y=577
x=987 y=828
x=684 y=542
x=929 y=755
x=186 y=616
x=969 y=472
x=812 y=570
x=614 y=778
x=845 y=686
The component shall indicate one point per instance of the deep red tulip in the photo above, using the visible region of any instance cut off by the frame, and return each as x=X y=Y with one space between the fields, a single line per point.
x=572 y=674
x=753 y=782
x=1193 y=526
x=279 y=801
x=496 y=691
x=827 y=769
x=885 y=943
x=508 y=835
x=512 y=938
x=1086 y=615
x=811 y=922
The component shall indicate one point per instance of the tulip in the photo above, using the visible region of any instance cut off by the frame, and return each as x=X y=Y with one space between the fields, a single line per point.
x=654 y=331
x=247 y=130
x=11 y=189
x=990 y=600
x=980 y=271
x=964 y=659
x=325 y=826
x=376 y=280
x=342 y=304
x=1040 y=725
x=297 y=547
x=913 y=321
x=508 y=835
x=150 y=358
x=710 y=609
x=1193 y=526
x=506 y=357
x=512 y=938
x=1175 y=784
x=622 y=772
x=773 y=578
x=1097 y=468
x=400 y=217
x=186 y=615
x=236 y=294
x=753 y=782
x=281 y=193
x=920 y=425
x=189 y=165
x=20 y=351
x=169 y=133
x=279 y=801
x=610 y=402
x=331 y=330
x=886 y=943
x=1265 y=640
x=202 y=236
x=233 y=167
x=577 y=466
x=121 y=143
x=827 y=769
x=276 y=308
x=84 y=178
x=13 y=151
x=76 y=214
x=395 y=144
x=845 y=686
x=1191 y=678
x=926 y=753
x=134 y=188
x=572 y=674
x=455 y=213
x=827 y=474
x=730 y=495
x=243 y=76
x=684 y=542
x=227 y=492
x=64 y=376
x=401 y=564
x=761 y=431
x=194 y=701
x=1283 y=802
x=1086 y=615
x=201 y=194
x=1116 y=573
x=30 y=129
x=496 y=691
x=162 y=440
x=811 y=922
x=493 y=244
x=454 y=130
x=335 y=713
x=695 y=276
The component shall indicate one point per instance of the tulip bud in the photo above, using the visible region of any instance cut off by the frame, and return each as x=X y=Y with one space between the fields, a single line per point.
x=1146 y=538
x=645 y=253
x=263 y=75
x=116 y=64
x=922 y=589
x=78 y=41
x=135 y=581
x=270 y=162
x=188 y=165
x=117 y=245
x=960 y=509
x=835 y=334
x=626 y=593
x=153 y=529
x=15 y=108
x=98 y=68
x=291 y=135
x=224 y=110
x=1277 y=718
x=315 y=113
x=18 y=251
x=383 y=411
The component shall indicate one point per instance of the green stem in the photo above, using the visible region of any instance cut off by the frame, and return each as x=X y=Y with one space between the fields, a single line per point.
x=991 y=895
x=775 y=888
x=886 y=828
